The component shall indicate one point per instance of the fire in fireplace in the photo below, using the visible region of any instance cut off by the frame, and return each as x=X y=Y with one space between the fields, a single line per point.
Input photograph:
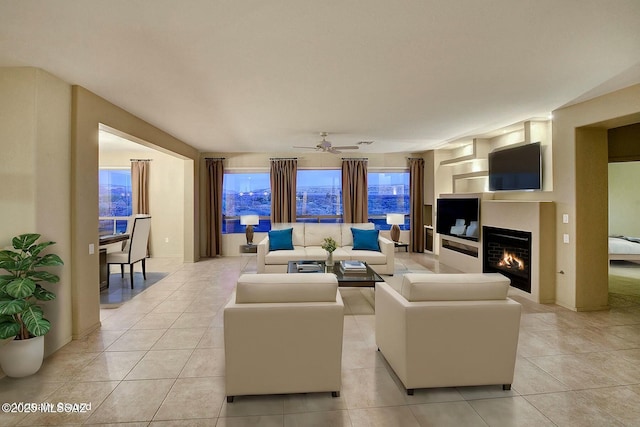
x=511 y=262
x=508 y=252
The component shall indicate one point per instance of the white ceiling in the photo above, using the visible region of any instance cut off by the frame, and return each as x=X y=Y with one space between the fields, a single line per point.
x=256 y=76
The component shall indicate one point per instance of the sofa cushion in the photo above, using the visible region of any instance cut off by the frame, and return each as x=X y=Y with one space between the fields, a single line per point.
x=365 y=240
x=281 y=288
x=347 y=235
x=316 y=253
x=454 y=287
x=370 y=257
x=281 y=239
x=284 y=256
x=341 y=254
x=314 y=234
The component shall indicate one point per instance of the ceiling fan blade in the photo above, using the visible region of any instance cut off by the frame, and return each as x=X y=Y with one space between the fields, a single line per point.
x=308 y=148
x=347 y=147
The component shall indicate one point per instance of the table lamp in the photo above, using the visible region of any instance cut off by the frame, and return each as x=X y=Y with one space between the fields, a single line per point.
x=395 y=220
x=249 y=221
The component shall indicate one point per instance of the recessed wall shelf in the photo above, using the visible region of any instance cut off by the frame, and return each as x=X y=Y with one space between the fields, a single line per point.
x=478 y=149
x=465 y=178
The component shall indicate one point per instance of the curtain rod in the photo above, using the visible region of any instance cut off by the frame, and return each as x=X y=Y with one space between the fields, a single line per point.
x=415 y=158
x=355 y=158
x=283 y=158
x=215 y=158
x=140 y=160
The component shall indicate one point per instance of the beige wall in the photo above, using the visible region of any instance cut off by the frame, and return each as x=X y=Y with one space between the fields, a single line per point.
x=166 y=187
x=35 y=113
x=624 y=199
x=260 y=161
x=89 y=111
x=580 y=190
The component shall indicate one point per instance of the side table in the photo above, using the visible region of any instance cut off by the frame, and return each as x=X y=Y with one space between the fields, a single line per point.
x=401 y=245
x=248 y=249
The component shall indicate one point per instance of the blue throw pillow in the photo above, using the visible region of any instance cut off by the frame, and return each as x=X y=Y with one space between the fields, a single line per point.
x=365 y=240
x=281 y=239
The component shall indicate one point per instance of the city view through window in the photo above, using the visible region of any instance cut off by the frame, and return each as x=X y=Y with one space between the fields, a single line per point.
x=318 y=197
x=114 y=200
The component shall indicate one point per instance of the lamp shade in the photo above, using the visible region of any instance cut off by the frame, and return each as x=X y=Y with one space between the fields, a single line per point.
x=249 y=220
x=395 y=219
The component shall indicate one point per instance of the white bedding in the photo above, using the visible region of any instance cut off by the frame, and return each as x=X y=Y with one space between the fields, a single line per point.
x=621 y=249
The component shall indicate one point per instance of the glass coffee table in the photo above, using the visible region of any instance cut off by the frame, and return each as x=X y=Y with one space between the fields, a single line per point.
x=366 y=278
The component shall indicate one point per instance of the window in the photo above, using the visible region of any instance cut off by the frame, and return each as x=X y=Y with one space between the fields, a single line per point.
x=242 y=194
x=388 y=193
x=114 y=198
x=319 y=196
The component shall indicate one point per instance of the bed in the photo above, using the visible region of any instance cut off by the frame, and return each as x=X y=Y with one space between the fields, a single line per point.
x=624 y=248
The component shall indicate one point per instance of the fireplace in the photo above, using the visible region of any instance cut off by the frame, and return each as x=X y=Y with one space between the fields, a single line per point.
x=508 y=252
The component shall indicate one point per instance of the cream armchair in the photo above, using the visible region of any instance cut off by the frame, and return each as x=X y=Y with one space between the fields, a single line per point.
x=283 y=334
x=447 y=330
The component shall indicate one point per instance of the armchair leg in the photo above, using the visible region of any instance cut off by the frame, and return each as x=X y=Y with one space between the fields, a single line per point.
x=230 y=399
x=131 y=274
x=122 y=270
x=506 y=386
x=144 y=269
x=335 y=394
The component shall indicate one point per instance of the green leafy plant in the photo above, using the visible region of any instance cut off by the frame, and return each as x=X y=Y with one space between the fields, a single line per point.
x=20 y=316
x=329 y=244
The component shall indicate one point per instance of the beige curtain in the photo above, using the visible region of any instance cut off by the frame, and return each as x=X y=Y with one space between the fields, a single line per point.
x=354 y=191
x=140 y=192
x=213 y=208
x=140 y=186
x=283 y=190
x=416 y=190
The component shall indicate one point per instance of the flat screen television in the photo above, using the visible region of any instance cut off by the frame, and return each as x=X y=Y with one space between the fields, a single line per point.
x=518 y=168
x=458 y=217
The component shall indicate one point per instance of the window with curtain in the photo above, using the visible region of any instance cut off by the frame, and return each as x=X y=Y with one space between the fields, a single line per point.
x=246 y=193
x=318 y=197
x=114 y=199
x=388 y=193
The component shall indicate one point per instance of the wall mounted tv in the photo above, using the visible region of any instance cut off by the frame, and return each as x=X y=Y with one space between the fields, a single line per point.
x=517 y=168
x=458 y=217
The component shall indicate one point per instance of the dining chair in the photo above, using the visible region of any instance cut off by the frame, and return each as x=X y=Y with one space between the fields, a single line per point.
x=135 y=251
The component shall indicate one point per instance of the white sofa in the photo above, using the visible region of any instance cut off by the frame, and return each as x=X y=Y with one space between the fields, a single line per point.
x=447 y=330
x=307 y=241
x=283 y=334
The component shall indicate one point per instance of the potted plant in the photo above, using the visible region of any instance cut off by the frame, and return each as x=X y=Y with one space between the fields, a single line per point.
x=329 y=245
x=21 y=318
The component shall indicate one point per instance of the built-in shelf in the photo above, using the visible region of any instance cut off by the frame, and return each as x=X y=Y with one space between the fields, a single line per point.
x=458 y=160
x=477 y=149
x=462 y=248
x=464 y=178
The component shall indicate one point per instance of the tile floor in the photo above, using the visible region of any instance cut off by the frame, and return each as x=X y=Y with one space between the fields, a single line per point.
x=158 y=360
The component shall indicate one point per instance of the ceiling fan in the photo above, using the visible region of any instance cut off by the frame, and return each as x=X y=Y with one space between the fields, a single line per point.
x=326 y=147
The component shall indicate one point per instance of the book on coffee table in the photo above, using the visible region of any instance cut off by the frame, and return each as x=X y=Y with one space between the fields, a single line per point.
x=308 y=267
x=353 y=266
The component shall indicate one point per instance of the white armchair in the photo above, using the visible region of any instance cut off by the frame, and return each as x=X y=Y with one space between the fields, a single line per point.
x=447 y=330
x=283 y=334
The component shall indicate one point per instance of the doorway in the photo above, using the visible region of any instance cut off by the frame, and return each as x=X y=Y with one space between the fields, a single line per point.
x=166 y=188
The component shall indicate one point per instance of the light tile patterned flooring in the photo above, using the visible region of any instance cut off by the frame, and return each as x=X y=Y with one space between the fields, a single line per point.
x=158 y=360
